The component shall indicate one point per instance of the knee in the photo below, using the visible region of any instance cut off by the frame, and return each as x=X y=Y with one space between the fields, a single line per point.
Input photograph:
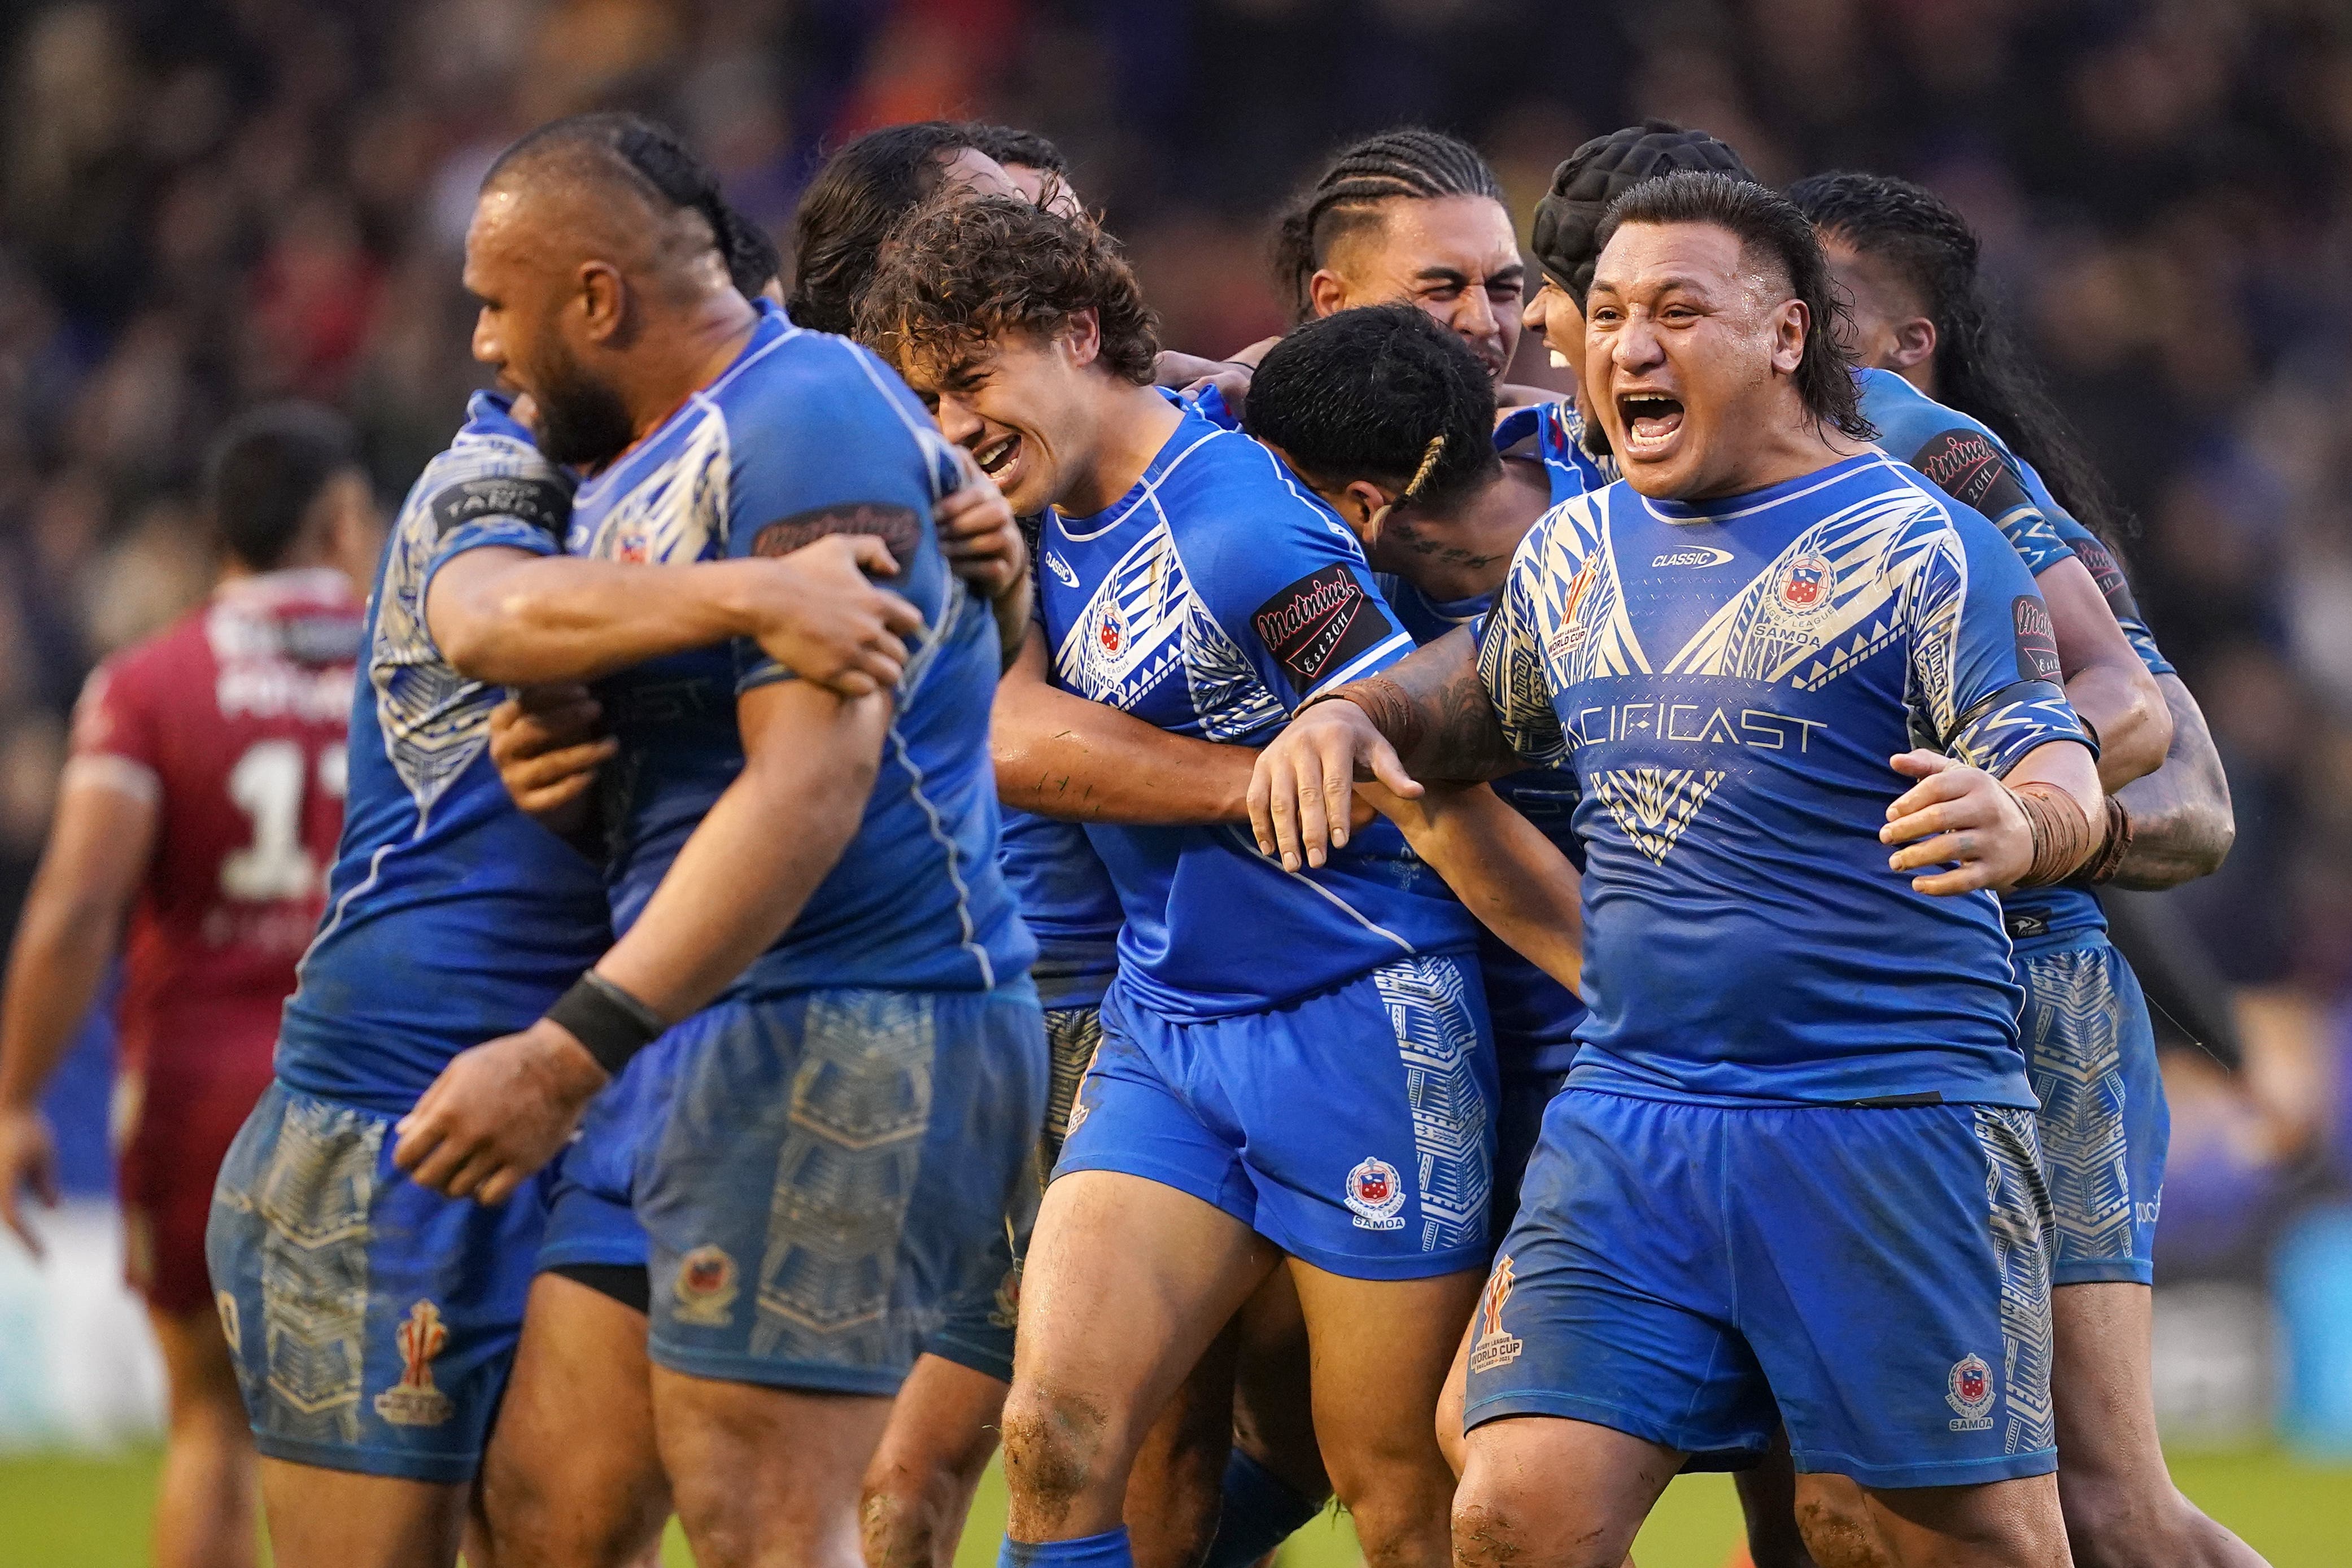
x=1832 y=1527
x=597 y=1527
x=1493 y=1529
x=1059 y=1444
x=907 y=1504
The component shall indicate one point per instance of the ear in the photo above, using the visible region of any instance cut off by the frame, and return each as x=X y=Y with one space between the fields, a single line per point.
x=1362 y=505
x=1326 y=294
x=1915 y=344
x=1791 y=321
x=603 y=300
x=1083 y=333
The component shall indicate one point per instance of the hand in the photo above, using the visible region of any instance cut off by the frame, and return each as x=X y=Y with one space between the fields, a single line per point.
x=28 y=1158
x=1300 y=795
x=1963 y=814
x=498 y=1112
x=827 y=622
x=546 y=747
x=979 y=535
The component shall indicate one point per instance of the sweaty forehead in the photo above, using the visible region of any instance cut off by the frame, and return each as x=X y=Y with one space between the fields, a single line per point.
x=1468 y=234
x=1703 y=258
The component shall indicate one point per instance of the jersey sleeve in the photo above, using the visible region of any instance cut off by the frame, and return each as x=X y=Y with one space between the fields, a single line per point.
x=492 y=488
x=115 y=740
x=1510 y=639
x=2104 y=570
x=842 y=447
x=1985 y=679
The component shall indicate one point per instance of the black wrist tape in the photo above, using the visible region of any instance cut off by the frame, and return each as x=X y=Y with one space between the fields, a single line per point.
x=613 y=1025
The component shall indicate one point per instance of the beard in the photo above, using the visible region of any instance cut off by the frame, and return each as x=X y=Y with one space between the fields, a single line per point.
x=582 y=423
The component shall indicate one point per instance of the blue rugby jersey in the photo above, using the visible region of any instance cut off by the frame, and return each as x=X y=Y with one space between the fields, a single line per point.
x=452 y=919
x=1211 y=599
x=806 y=434
x=1962 y=457
x=1553 y=432
x=1727 y=680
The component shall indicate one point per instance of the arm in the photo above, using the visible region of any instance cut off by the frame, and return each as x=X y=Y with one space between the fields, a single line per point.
x=2104 y=679
x=501 y=1110
x=511 y=618
x=984 y=545
x=2182 y=824
x=2034 y=826
x=1503 y=868
x=98 y=849
x=1061 y=755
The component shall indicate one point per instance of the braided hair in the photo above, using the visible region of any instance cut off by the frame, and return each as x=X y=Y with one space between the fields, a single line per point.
x=665 y=169
x=1410 y=164
x=1564 y=237
x=1979 y=368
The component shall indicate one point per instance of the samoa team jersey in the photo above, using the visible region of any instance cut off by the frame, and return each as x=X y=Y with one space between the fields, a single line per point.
x=1211 y=599
x=452 y=919
x=806 y=434
x=1727 y=679
x=1069 y=904
x=230 y=724
x=1553 y=432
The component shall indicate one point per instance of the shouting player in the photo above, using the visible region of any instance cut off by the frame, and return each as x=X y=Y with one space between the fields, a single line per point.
x=1189 y=582
x=858 y=1048
x=1794 y=1171
x=202 y=802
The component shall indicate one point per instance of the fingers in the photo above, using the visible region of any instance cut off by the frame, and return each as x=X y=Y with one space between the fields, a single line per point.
x=1969 y=878
x=1337 y=805
x=1283 y=799
x=1941 y=850
x=900 y=617
x=1921 y=763
x=1381 y=759
x=870 y=555
x=1943 y=790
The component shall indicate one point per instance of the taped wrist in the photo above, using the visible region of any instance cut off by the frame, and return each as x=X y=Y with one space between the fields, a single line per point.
x=613 y=1025
x=1386 y=705
x=2102 y=867
x=2062 y=836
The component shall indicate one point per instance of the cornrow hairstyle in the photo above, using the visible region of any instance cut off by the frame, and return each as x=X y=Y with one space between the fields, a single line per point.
x=1409 y=163
x=1568 y=219
x=962 y=271
x=862 y=192
x=263 y=471
x=665 y=169
x=1012 y=144
x=1979 y=369
x=1764 y=221
x=1379 y=392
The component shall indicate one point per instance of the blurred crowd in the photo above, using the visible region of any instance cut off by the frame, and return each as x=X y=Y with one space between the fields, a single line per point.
x=205 y=203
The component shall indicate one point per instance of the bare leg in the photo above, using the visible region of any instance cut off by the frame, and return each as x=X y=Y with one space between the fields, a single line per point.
x=1565 y=1494
x=1174 y=1488
x=1127 y=1283
x=340 y=1518
x=573 y=1479
x=1274 y=1412
x=918 y=1490
x=2122 y=1510
x=204 y=1500
x=1374 y=1395
x=1449 y=1404
x=766 y=1477
x=2000 y=1524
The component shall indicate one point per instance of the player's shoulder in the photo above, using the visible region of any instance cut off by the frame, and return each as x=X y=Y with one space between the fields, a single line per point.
x=158 y=664
x=492 y=469
x=1232 y=486
x=797 y=392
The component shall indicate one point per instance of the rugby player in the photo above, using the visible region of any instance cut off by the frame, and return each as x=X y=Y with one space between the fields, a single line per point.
x=200 y=804
x=859 y=196
x=1923 y=327
x=844 y=1028
x=1186 y=579
x=1773 y=1012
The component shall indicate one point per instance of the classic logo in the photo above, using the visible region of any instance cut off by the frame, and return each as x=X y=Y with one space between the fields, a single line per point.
x=1966 y=465
x=2037 y=639
x=705 y=1288
x=1971 y=1394
x=1061 y=571
x=1376 y=1195
x=414 y=1401
x=1495 y=1347
x=541 y=503
x=1804 y=588
x=1319 y=623
x=894 y=526
x=1693 y=555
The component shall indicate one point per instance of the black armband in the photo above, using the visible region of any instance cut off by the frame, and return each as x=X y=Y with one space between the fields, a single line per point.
x=613 y=1025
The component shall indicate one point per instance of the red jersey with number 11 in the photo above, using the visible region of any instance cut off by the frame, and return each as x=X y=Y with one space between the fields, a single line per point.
x=232 y=721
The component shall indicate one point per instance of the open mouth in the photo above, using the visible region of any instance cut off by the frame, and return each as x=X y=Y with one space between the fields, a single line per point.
x=1652 y=421
x=995 y=457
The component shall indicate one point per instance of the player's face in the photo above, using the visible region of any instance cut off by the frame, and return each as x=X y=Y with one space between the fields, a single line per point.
x=978 y=174
x=1017 y=406
x=1875 y=303
x=1455 y=257
x=1552 y=312
x=1046 y=189
x=1688 y=344
x=526 y=297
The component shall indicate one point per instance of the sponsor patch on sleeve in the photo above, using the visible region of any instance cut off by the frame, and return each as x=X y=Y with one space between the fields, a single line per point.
x=1966 y=465
x=895 y=525
x=541 y=503
x=2114 y=586
x=2037 y=639
x=1320 y=623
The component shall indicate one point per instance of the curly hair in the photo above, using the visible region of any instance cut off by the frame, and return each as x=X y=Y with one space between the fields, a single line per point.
x=962 y=271
x=1409 y=163
x=1766 y=223
x=1979 y=368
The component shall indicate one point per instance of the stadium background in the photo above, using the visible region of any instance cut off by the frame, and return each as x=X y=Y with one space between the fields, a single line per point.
x=207 y=201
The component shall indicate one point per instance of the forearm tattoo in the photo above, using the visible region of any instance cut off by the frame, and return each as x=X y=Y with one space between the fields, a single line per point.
x=1432 y=707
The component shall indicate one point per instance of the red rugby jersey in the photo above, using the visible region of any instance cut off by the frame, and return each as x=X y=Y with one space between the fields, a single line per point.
x=232 y=721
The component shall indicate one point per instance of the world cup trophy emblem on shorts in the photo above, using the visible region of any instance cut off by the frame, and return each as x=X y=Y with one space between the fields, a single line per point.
x=1376 y=1196
x=1971 y=1394
x=1496 y=1346
x=414 y=1401
x=706 y=1287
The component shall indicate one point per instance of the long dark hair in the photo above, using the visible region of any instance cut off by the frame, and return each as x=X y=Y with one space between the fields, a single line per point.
x=1979 y=368
x=1409 y=163
x=864 y=191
